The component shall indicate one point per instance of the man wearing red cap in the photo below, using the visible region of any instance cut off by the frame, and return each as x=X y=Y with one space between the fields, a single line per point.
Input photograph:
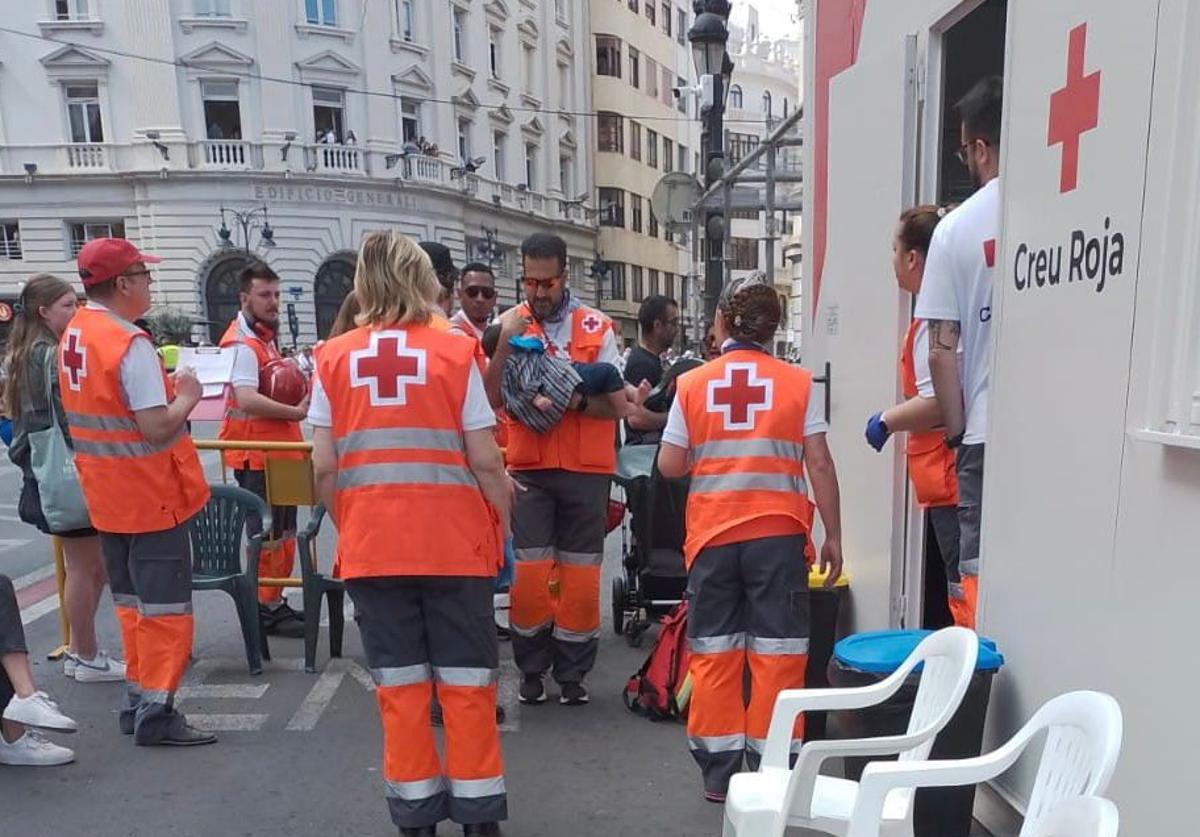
x=141 y=478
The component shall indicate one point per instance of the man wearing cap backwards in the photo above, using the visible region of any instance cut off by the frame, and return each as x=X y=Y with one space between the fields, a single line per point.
x=141 y=478
x=746 y=428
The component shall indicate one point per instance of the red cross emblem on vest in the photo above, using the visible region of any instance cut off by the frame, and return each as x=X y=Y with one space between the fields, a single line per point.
x=591 y=323
x=386 y=367
x=740 y=395
x=74 y=359
x=1074 y=109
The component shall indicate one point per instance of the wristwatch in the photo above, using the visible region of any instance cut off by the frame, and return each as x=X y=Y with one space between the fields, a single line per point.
x=954 y=441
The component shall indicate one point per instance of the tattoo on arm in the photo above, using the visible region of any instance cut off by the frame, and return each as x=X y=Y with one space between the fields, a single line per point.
x=941 y=332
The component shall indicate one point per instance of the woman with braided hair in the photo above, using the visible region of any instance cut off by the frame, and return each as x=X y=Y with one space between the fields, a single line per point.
x=746 y=429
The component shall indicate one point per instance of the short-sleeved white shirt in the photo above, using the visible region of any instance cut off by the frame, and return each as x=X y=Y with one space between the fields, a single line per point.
x=245 y=362
x=957 y=286
x=921 y=361
x=141 y=372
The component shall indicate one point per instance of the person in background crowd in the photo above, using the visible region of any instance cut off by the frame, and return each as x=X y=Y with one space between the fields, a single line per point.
x=447 y=274
x=26 y=711
x=559 y=520
x=42 y=312
x=422 y=594
x=956 y=301
x=930 y=463
x=251 y=416
x=658 y=328
x=476 y=299
x=127 y=420
x=746 y=428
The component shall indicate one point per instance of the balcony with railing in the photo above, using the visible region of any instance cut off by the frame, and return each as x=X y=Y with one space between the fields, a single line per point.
x=336 y=159
x=225 y=154
x=92 y=155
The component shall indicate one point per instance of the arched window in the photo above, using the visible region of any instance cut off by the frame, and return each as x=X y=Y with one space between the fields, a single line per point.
x=735 y=96
x=333 y=282
x=221 y=288
x=767 y=102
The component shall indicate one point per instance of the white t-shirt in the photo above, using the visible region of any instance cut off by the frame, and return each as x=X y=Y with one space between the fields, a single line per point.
x=957 y=286
x=141 y=372
x=245 y=362
x=477 y=412
x=921 y=360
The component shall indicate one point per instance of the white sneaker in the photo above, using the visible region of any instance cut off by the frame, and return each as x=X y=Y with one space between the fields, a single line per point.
x=32 y=750
x=69 y=661
x=38 y=710
x=100 y=669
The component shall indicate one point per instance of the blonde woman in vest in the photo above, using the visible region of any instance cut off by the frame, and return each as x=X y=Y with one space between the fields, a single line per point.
x=403 y=438
x=746 y=428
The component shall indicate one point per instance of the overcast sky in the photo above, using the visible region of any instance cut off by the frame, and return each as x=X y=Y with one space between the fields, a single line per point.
x=774 y=16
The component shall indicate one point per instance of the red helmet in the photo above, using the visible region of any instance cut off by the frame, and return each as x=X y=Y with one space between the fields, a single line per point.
x=282 y=380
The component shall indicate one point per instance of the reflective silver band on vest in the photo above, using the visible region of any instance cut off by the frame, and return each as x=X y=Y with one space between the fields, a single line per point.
x=535 y=553
x=581 y=559
x=404 y=473
x=234 y=414
x=536 y=630
x=476 y=788
x=759 y=745
x=125 y=600
x=117 y=450
x=778 y=646
x=401 y=675
x=465 y=676
x=747 y=481
x=88 y=422
x=716 y=644
x=717 y=743
x=564 y=635
x=400 y=438
x=414 y=791
x=174 y=609
x=730 y=448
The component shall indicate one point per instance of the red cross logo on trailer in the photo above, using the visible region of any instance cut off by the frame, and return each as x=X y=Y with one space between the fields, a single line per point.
x=740 y=395
x=386 y=367
x=1074 y=109
x=591 y=323
x=74 y=359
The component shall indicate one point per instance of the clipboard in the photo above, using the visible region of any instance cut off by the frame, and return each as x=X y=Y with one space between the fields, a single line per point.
x=214 y=368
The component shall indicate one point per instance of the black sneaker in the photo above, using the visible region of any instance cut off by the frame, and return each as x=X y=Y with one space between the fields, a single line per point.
x=282 y=620
x=573 y=694
x=482 y=829
x=423 y=831
x=532 y=689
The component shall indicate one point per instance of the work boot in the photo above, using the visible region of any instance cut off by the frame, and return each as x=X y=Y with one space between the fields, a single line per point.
x=482 y=829
x=573 y=694
x=423 y=831
x=181 y=734
x=532 y=689
x=282 y=620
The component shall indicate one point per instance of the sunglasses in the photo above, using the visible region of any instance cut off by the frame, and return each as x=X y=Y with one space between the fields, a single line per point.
x=963 y=149
x=546 y=284
x=476 y=291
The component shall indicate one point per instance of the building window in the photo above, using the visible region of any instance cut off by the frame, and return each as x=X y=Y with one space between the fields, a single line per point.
x=494 y=36
x=681 y=27
x=635 y=213
x=331 y=285
x=71 y=10
x=564 y=87
x=652 y=226
x=652 y=148
x=612 y=207
x=566 y=171
x=458 y=19
x=666 y=19
x=684 y=283
x=744 y=253
x=616 y=279
x=652 y=78
x=735 y=96
x=767 y=103
x=668 y=155
x=222 y=114
x=638 y=286
x=608 y=56
x=527 y=70
x=684 y=158
x=740 y=145
x=560 y=10
x=653 y=282
x=610 y=132
x=668 y=288
x=83 y=113
x=499 y=140
x=635 y=140
x=329 y=114
x=682 y=102
x=667 y=95
x=81 y=232
x=321 y=12
x=406 y=19
x=635 y=68
x=10 y=240
x=410 y=119
x=650 y=13
x=633 y=5
x=531 y=152
x=464 y=140
x=213 y=8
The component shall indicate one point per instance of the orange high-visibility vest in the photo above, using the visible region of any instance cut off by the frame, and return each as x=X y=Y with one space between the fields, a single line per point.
x=406 y=502
x=131 y=485
x=931 y=464
x=745 y=417
x=239 y=425
x=577 y=443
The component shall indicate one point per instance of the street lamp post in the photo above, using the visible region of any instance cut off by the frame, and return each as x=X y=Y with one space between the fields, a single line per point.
x=247 y=220
x=708 y=37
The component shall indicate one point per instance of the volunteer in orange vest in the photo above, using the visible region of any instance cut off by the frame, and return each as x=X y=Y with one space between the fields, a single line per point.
x=141 y=478
x=746 y=427
x=252 y=416
x=559 y=519
x=403 y=436
x=930 y=462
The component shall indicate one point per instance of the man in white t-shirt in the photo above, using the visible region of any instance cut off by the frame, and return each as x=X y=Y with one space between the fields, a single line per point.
x=956 y=302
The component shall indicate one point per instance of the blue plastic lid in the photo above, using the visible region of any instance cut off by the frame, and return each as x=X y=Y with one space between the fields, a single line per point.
x=882 y=652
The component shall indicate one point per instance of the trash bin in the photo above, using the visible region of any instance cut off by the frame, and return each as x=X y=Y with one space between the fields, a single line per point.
x=824 y=606
x=867 y=658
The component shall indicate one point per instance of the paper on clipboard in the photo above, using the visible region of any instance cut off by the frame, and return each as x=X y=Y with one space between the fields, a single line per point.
x=214 y=368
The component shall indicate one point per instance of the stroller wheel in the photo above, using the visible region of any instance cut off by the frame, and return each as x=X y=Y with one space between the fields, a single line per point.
x=618 y=605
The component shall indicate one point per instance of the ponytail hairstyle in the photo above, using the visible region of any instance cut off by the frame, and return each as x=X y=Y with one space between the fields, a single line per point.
x=750 y=309
x=917 y=224
x=394 y=281
x=41 y=291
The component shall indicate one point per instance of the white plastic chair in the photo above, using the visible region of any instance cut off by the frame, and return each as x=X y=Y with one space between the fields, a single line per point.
x=764 y=803
x=1083 y=739
x=1083 y=816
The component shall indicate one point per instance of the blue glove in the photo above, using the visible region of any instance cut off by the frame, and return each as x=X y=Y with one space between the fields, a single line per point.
x=877 y=432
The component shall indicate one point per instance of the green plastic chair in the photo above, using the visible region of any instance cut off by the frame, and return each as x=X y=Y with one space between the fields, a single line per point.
x=319 y=586
x=217 y=555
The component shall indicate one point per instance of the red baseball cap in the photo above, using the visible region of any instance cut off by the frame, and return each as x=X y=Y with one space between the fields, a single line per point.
x=102 y=259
